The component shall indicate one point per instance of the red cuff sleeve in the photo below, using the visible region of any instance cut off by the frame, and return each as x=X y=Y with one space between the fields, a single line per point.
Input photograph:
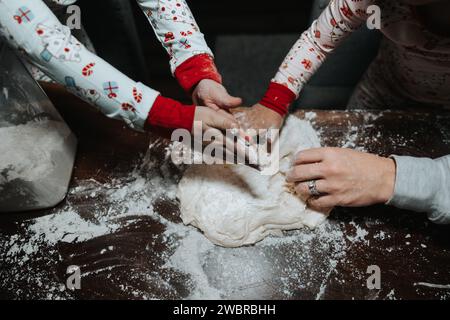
x=195 y=69
x=171 y=114
x=278 y=98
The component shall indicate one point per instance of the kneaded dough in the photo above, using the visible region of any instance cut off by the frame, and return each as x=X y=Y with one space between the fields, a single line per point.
x=234 y=205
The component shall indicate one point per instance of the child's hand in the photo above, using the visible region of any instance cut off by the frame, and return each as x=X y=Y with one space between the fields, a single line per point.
x=216 y=122
x=214 y=95
x=259 y=117
x=215 y=119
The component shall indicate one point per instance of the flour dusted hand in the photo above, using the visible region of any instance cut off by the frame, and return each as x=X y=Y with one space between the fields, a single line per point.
x=215 y=119
x=214 y=95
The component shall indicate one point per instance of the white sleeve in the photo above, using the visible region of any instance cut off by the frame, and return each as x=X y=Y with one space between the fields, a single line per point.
x=31 y=27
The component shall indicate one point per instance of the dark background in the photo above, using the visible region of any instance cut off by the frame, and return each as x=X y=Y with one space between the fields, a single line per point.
x=250 y=39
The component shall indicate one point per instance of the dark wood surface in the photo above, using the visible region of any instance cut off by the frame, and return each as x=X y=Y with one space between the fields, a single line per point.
x=408 y=248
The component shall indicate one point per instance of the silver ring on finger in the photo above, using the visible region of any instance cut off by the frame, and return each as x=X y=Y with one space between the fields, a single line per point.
x=312 y=187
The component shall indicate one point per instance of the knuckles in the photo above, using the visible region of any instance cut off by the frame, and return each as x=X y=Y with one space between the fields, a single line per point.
x=294 y=174
x=302 y=189
x=330 y=169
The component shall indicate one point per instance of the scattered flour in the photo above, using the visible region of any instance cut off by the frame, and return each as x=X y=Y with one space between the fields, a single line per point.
x=434 y=286
x=271 y=268
x=310 y=116
x=360 y=235
x=246 y=272
x=243 y=271
x=68 y=226
x=391 y=295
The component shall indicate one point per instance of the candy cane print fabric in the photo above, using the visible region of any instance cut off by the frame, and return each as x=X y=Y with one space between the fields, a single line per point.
x=59 y=8
x=31 y=27
x=176 y=29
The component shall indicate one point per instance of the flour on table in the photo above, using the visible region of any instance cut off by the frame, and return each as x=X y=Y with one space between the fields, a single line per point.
x=236 y=206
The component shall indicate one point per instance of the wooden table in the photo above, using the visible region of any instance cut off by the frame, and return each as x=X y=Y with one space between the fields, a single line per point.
x=410 y=251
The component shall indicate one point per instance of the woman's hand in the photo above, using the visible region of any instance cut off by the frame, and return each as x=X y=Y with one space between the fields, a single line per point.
x=343 y=177
x=214 y=95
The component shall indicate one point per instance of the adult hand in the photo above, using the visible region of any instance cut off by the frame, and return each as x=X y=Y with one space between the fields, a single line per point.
x=214 y=95
x=344 y=177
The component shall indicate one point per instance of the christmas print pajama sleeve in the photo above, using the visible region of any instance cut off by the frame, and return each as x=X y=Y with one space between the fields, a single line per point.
x=31 y=27
x=190 y=58
x=334 y=25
